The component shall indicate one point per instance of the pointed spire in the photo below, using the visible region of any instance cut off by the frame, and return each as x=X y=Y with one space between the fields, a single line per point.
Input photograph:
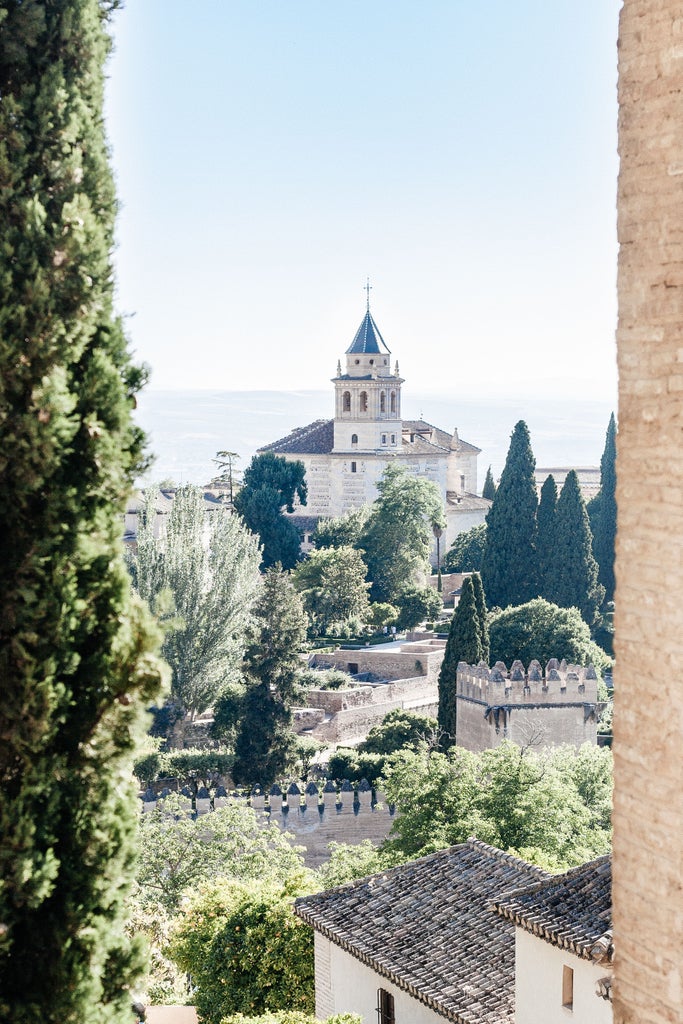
x=339 y=368
x=368 y=289
x=396 y=373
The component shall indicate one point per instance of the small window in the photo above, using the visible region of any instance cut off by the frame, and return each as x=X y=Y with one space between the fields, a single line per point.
x=568 y=988
x=393 y=438
x=346 y=401
x=385 y=1007
x=462 y=482
x=356 y=361
x=352 y=668
x=392 y=401
x=386 y=361
x=382 y=402
x=353 y=467
x=384 y=438
x=363 y=401
x=354 y=438
x=372 y=362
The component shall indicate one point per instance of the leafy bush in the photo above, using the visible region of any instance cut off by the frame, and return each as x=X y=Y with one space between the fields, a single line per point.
x=417 y=604
x=324 y=679
x=246 y=950
x=467 y=551
x=543 y=630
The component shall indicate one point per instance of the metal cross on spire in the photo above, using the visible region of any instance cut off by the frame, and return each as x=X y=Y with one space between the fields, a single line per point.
x=367 y=289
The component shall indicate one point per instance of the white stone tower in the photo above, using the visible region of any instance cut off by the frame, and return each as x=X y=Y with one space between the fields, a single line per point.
x=367 y=416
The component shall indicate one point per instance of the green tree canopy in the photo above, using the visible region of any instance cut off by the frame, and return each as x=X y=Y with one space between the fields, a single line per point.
x=342 y=531
x=332 y=585
x=605 y=525
x=246 y=950
x=489 y=488
x=571 y=579
x=464 y=644
x=77 y=658
x=202 y=578
x=467 y=550
x=399 y=729
x=264 y=745
x=509 y=567
x=482 y=613
x=398 y=534
x=536 y=804
x=543 y=631
x=417 y=604
x=182 y=851
x=271 y=485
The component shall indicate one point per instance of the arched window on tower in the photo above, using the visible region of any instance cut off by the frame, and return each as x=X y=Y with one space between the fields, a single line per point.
x=363 y=401
x=354 y=438
x=346 y=401
x=382 y=402
x=392 y=401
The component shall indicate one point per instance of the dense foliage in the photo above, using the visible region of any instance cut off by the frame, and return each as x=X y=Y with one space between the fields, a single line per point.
x=550 y=807
x=543 y=631
x=76 y=651
x=489 y=489
x=246 y=950
x=400 y=730
x=342 y=531
x=180 y=850
x=291 y=1017
x=509 y=568
x=193 y=768
x=546 y=521
x=264 y=745
x=571 y=576
x=417 y=604
x=467 y=550
x=333 y=588
x=398 y=534
x=201 y=578
x=271 y=485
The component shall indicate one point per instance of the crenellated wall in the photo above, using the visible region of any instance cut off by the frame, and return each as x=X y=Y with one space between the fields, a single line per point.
x=548 y=707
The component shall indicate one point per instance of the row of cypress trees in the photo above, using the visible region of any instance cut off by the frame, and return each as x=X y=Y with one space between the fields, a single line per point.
x=546 y=549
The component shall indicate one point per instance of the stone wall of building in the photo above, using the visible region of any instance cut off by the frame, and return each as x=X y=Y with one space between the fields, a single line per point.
x=535 y=708
x=648 y=716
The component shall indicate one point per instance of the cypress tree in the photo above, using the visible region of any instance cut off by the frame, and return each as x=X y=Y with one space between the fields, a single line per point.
x=546 y=528
x=482 y=613
x=606 y=520
x=463 y=644
x=76 y=650
x=264 y=743
x=572 y=576
x=489 y=488
x=509 y=570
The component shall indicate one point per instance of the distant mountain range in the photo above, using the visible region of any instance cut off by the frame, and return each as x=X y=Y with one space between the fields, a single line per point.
x=187 y=428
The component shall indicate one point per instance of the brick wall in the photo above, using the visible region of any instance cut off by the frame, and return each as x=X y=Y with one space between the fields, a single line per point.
x=648 y=718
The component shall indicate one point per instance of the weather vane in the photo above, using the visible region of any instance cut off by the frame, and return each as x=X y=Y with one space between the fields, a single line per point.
x=367 y=289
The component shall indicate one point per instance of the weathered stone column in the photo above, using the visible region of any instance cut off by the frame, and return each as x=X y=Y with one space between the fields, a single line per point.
x=648 y=744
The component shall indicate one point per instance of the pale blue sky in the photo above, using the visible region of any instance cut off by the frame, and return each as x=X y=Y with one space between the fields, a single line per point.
x=270 y=155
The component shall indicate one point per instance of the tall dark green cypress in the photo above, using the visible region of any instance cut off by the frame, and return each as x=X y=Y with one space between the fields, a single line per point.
x=489 y=488
x=546 y=528
x=264 y=742
x=463 y=644
x=482 y=612
x=572 y=575
x=76 y=651
x=509 y=570
x=606 y=521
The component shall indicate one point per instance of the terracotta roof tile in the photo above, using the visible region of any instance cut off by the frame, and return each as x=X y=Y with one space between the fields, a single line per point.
x=316 y=438
x=572 y=911
x=427 y=926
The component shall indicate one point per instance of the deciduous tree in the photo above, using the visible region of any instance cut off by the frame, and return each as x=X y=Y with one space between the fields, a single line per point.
x=202 y=578
x=271 y=485
x=543 y=631
x=342 y=531
x=509 y=567
x=333 y=588
x=467 y=550
x=397 y=537
x=76 y=649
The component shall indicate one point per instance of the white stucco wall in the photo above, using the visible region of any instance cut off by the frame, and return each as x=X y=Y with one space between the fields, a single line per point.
x=538 y=985
x=345 y=985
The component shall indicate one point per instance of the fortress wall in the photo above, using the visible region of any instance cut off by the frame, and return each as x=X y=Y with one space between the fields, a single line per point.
x=648 y=715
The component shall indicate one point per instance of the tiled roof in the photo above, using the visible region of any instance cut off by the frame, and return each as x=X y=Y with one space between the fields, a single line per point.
x=467 y=502
x=368 y=338
x=316 y=438
x=572 y=911
x=441 y=437
x=427 y=927
x=422 y=446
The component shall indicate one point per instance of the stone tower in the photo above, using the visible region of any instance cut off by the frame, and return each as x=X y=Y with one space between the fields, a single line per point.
x=367 y=412
x=648 y=715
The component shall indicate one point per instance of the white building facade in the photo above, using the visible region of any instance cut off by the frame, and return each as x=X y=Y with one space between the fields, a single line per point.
x=345 y=457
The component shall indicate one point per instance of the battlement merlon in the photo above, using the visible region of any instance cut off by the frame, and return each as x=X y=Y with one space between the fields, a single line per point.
x=559 y=683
